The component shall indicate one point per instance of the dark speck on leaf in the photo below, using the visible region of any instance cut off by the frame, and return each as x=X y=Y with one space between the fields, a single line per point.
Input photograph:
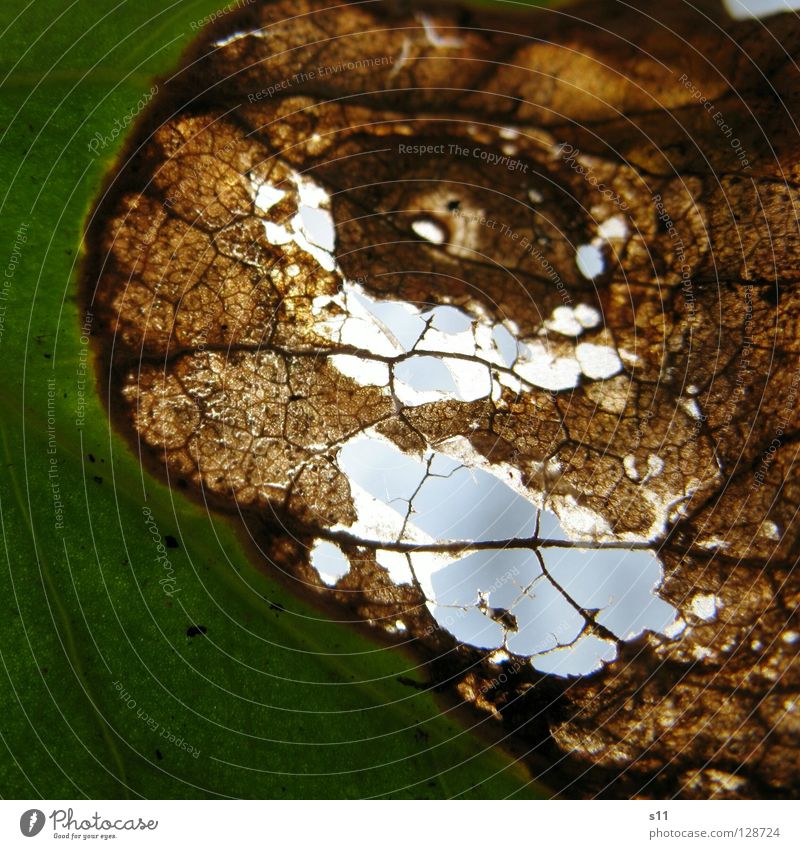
x=91 y=457
x=410 y=682
x=170 y=541
x=159 y=755
x=98 y=479
x=196 y=630
x=276 y=605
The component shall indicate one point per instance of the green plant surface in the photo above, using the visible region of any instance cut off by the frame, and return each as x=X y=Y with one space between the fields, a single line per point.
x=103 y=692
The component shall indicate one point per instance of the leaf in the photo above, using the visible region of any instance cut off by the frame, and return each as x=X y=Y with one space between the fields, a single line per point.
x=112 y=687
x=624 y=217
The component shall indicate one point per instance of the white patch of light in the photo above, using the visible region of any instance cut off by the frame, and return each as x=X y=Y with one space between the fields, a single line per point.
x=429 y=230
x=425 y=379
x=569 y=321
x=629 y=464
x=539 y=367
x=715 y=544
x=655 y=465
x=277 y=234
x=581 y=522
x=614 y=228
x=355 y=325
x=427 y=337
x=402 y=59
x=563 y=321
x=305 y=239
x=589 y=654
x=311 y=193
x=450 y=319
x=598 y=362
x=311 y=228
x=425 y=373
x=704 y=606
x=433 y=37
x=590 y=262
x=504 y=342
x=377 y=521
x=317 y=224
x=399 y=321
x=364 y=371
x=444 y=342
x=472 y=380
x=676 y=628
x=329 y=561
x=396 y=564
x=257 y=33
x=692 y=408
x=267 y=196
x=588 y=316
x=497 y=510
x=499 y=656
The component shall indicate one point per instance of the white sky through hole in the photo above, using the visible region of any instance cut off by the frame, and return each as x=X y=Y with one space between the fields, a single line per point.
x=329 y=561
x=498 y=598
x=760 y=8
x=454 y=502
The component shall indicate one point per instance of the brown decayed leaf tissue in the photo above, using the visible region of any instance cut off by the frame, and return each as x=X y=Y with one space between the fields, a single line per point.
x=612 y=195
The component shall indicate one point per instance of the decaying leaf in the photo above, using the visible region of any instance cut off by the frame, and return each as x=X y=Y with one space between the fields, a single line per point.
x=541 y=271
